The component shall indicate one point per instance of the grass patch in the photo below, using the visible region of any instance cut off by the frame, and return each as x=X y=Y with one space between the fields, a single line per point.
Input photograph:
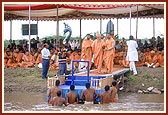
x=25 y=79
x=147 y=77
x=30 y=79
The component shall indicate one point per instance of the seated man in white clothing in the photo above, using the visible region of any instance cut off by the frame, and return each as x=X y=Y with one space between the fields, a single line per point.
x=82 y=66
x=69 y=66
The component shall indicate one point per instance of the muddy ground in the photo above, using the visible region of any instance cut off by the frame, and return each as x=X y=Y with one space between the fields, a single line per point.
x=29 y=79
x=147 y=77
x=25 y=80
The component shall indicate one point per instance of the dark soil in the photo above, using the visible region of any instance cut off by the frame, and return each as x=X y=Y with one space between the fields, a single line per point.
x=147 y=77
x=29 y=80
x=25 y=80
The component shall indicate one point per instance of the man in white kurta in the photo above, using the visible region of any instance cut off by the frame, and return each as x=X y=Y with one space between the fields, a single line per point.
x=132 y=54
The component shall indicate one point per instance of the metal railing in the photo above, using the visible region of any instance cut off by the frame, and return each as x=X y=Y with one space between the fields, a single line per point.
x=73 y=70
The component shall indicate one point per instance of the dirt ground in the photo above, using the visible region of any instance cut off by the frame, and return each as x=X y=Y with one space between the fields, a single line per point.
x=25 y=80
x=147 y=77
x=29 y=79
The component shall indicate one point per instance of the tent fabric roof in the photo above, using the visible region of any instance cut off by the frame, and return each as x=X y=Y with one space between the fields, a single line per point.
x=81 y=11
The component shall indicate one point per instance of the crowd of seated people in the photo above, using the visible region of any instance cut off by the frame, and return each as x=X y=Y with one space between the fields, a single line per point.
x=151 y=54
x=18 y=55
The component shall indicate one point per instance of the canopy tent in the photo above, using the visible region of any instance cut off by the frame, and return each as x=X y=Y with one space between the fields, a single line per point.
x=81 y=11
x=57 y=12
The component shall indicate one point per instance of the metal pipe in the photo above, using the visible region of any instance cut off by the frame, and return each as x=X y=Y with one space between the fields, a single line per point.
x=10 y=31
x=57 y=29
x=73 y=70
x=80 y=21
x=88 y=71
x=137 y=24
x=100 y=24
x=29 y=28
x=130 y=20
x=80 y=32
x=117 y=26
x=37 y=28
x=153 y=23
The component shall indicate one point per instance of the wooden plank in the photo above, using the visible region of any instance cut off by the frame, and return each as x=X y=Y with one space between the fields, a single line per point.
x=51 y=81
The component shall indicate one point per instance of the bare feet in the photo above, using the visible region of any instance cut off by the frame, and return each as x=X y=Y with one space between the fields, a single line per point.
x=105 y=72
x=99 y=72
x=109 y=72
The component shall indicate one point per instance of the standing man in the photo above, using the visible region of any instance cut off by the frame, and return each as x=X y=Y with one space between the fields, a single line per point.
x=62 y=57
x=98 y=46
x=132 y=54
x=109 y=53
x=87 y=49
x=45 y=60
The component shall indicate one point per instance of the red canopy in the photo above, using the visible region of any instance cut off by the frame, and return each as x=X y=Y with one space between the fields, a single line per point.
x=81 y=11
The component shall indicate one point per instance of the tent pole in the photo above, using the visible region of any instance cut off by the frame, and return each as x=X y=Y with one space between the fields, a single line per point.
x=100 y=25
x=37 y=28
x=117 y=26
x=130 y=20
x=80 y=28
x=153 y=23
x=10 y=31
x=57 y=30
x=29 y=28
x=80 y=32
x=137 y=24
